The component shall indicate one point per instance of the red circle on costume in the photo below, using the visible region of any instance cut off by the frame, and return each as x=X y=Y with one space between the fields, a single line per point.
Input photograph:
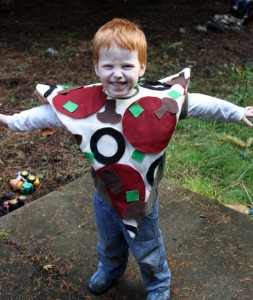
x=147 y=132
x=128 y=180
x=88 y=100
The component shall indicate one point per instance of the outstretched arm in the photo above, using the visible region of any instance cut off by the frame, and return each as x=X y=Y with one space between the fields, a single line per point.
x=207 y=107
x=35 y=118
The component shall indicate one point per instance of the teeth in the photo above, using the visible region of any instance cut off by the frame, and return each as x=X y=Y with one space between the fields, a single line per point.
x=118 y=83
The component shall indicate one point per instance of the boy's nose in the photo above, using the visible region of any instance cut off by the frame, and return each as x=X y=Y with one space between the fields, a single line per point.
x=117 y=73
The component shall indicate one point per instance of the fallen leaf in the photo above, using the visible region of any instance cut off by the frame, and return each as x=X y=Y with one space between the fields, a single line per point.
x=48 y=267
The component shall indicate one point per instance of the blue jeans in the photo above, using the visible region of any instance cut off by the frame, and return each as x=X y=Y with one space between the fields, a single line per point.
x=114 y=243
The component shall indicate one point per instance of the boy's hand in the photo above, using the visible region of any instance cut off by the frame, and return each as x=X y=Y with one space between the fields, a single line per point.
x=3 y=122
x=248 y=113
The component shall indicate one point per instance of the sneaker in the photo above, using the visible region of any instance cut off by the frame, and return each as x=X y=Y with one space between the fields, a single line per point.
x=159 y=294
x=99 y=284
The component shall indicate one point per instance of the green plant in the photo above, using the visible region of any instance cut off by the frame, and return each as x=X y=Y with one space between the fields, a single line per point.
x=3 y=234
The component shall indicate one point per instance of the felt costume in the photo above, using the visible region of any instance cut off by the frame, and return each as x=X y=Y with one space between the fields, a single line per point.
x=123 y=139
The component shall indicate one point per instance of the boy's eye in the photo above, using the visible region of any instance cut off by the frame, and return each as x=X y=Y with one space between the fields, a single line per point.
x=107 y=67
x=127 y=67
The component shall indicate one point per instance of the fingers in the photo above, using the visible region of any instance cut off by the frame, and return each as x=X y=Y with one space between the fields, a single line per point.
x=247 y=122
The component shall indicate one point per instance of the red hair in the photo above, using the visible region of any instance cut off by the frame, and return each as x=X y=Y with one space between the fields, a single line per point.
x=123 y=33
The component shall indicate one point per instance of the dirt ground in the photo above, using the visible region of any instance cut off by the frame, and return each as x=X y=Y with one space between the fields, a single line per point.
x=28 y=28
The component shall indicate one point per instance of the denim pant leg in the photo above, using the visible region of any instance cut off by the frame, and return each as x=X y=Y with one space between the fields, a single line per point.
x=149 y=252
x=112 y=248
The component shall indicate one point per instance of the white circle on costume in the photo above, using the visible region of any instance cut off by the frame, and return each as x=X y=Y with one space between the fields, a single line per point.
x=107 y=145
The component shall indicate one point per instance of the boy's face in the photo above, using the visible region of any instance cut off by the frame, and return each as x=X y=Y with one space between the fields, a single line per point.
x=118 y=70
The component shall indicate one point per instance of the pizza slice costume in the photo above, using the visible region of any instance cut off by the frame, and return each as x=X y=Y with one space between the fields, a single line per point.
x=123 y=139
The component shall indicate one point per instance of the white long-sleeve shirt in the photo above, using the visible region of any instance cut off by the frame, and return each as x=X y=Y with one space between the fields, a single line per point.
x=199 y=106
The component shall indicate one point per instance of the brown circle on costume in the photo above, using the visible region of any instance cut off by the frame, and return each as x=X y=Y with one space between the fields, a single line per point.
x=128 y=179
x=112 y=181
x=88 y=99
x=147 y=132
x=135 y=211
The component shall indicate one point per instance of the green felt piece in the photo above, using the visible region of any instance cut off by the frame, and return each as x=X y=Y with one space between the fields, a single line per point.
x=70 y=106
x=65 y=86
x=136 y=109
x=89 y=156
x=132 y=196
x=138 y=155
x=174 y=94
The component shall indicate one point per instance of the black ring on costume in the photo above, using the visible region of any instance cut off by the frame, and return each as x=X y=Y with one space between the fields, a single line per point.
x=150 y=174
x=155 y=85
x=107 y=160
x=131 y=228
x=50 y=90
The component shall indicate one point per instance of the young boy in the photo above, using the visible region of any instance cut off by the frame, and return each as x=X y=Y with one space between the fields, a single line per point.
x=123 y=128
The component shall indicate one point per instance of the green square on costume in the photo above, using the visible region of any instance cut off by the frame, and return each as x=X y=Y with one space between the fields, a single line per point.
x=132 y=196
x=70 y=106
x=136 y=109
x=174 y=94
x=89 y=156
x=64 y=86
x=138 y=155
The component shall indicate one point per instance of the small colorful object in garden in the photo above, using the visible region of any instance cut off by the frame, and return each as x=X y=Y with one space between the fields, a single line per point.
x=25 y=183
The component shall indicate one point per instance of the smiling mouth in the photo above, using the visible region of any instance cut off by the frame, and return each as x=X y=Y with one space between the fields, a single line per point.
x=118 y=83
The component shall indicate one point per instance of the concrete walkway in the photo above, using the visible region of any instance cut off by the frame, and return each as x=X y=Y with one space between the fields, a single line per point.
x=49 y=248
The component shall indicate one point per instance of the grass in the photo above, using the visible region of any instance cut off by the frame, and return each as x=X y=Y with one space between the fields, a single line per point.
x=214 y=158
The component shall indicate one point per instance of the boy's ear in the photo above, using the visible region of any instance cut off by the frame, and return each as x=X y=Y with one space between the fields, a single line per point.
x=142 y=70
x=96 y=68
